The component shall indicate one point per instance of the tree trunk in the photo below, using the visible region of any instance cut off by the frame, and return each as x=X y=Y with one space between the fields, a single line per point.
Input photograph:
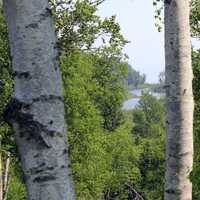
x=37 y=109
x=6 y=176
x=179 y=139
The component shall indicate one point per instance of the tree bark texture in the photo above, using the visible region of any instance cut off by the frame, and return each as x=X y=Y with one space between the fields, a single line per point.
x=179 y=138
x=37 y=109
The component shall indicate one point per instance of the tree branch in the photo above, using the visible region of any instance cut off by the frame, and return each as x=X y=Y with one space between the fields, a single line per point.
x=97 y=2
x=138 y=196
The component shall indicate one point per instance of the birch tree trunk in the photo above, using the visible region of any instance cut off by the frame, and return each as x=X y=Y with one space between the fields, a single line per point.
x=179 y=139
x=37 y=110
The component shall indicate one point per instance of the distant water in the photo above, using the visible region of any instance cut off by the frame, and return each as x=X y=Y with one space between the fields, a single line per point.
x=132 y=103
x=138 y=92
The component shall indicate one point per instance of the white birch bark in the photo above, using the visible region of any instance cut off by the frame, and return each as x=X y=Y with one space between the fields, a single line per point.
x=37 y=110
x=6 y=176
x=179 y=139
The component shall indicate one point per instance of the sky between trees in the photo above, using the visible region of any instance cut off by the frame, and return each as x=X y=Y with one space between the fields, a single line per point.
x=136 y=18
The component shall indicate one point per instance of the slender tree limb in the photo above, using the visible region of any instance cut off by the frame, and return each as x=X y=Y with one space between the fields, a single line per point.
x=138 y=196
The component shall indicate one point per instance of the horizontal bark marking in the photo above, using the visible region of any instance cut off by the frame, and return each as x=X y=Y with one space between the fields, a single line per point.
x=180 y=155
x=42 y=168
x=21 y=74
x=168 y=1
x=33 y=25
x=170 y=191
x=16 y=111
x=46 y=178
x=15 y=105
x=43 y=16
x=45 y=98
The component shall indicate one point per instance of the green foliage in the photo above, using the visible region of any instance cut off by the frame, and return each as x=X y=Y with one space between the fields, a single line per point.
x=4 y=49
x=149 y=113
x=158 y=4
x=84 y=122
x=195 y=18
x=148 y=131
x=152 y=168
x=103 y=163
x=6 y=85
x=110 y=74
x=79 y=27
x=123 y=157
x=16 y=188
x=196 y=89
x=195 y=21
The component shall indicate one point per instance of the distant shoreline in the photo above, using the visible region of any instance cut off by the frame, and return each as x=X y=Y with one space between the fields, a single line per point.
x=134 y=96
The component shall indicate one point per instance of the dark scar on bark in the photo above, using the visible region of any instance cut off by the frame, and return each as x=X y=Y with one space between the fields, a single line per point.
x=21 y=74
x=16 y=111
x=44 y=15
x=168 y=1
x=170 y=191
x=46 y=178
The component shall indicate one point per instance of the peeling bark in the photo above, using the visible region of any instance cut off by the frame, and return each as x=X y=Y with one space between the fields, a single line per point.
x=36 y=111
x=180 y=106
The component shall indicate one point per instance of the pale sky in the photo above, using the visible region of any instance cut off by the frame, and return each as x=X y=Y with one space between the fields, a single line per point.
x=136 y=17
x=146 y=50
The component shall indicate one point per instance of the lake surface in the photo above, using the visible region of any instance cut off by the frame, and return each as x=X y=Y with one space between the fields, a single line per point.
x=132 y=103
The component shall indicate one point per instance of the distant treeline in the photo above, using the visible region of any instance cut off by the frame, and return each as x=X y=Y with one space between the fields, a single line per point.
x=135 y=78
